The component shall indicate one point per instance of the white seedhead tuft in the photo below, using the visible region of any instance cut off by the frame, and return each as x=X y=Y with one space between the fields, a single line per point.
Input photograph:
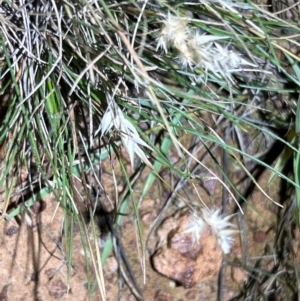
x=220 y=226
x=114 y=119
x=199 y=50
x=196 y=226
x=173 y=33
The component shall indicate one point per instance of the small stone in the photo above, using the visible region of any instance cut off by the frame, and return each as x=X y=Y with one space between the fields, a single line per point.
x=180 y=258
x=259 y=236
x=174 y=265
x=50 y=273
x=23 y=174
x=34 y=277
x=3 y=294
x=111 y=265
x=191 y=295
x=147 y=218
x=210 y=185
x=12 y=230
x=162 y=295
x=57 y=288
x=184 y=244
x=39 y=206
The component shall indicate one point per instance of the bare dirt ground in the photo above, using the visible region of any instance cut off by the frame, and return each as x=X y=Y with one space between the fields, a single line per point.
x=33 y=260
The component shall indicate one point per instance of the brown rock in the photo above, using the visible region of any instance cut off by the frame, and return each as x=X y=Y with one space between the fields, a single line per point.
x=50 y=273
x=57 y=288
x=3 y=294
x=169 y=225
x=191 y=295
x=23 y=174
x=259 y=236
x=12 y=230
x=182 y=259
x=210 y=260
x=210 y=184
x=183 y=243
x=173 y=265
x=239 y=274
x=39 y=206
x=147 y=218
x=162 y=295
x=34 y=277
x=111 y=265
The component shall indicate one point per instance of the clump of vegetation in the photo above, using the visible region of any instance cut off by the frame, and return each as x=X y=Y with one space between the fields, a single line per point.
x=80 y=81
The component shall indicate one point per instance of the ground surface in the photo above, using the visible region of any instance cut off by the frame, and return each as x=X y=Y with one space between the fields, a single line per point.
x=33 y=261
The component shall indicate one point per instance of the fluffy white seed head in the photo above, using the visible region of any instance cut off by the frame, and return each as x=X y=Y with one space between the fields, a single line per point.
x=198 y=50
x=173 y=33
x=114 y=119
x=220 y=226
x=196 y=226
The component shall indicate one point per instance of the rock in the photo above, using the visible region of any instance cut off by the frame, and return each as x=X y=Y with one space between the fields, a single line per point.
x=3 y=294
x=180 y=258
x=210 y=184
x=57 y=288
x=162 y=295
x=39 y=206
x=173 y=265
x=259 y=236
x=12 y=230
x=184 y=244
x=50 y=273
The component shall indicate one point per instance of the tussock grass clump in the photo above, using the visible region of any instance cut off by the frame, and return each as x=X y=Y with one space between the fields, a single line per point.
x=81 y=80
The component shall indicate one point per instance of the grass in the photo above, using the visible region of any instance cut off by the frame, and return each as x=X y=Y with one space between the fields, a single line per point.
x=81 y=80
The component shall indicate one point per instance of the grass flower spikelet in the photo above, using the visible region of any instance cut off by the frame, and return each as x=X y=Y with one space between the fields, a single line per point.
x=199 y=50
x=220 y=226
x=113 y=118
x=174 y=32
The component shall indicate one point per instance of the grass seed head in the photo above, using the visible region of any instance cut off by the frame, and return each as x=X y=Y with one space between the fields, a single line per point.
x=173 y=33
x=219 y=225
x=114 y=119
x=198 y=50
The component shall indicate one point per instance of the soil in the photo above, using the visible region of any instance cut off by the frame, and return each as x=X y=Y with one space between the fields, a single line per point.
x=34 y=257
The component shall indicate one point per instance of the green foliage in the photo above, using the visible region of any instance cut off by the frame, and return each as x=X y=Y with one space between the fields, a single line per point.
x=82 y=79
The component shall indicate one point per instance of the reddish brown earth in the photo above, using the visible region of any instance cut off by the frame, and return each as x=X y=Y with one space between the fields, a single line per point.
x=33 y=259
